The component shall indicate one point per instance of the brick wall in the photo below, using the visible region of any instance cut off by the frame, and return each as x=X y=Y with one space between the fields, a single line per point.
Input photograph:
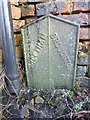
x=25 y=11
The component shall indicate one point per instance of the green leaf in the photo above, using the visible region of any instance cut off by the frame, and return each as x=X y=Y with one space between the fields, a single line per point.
x=50 y=102
x=78 y=106
x=76 y=88
x=71 y=94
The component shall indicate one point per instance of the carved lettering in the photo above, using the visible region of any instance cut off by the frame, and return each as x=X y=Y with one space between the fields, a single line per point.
x=60 y=48
x=38 y=47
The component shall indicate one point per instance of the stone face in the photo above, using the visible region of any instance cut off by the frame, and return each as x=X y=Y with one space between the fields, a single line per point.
x=80 y=71
x=84 y=33
x=50 y=52
x=17 y=24
x=0 y=43
x=14 y=2
x=19 y=52
x=80 y=0
x=16 y=12
x=89 y=18
x=89 y=50
x=1 y=56
x=28 y=20
x=28 y=10
x=81 y=18
x=22 y=1
x=18 y=39
x=53 y=7
x=32 y=1
x=85 y=82
x=81 y=6
x=35 y=1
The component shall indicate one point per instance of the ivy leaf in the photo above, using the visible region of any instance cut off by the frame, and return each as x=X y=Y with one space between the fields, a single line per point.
x=76 y=87
x=78 y=106
x=71 y=94
x=50 y=102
